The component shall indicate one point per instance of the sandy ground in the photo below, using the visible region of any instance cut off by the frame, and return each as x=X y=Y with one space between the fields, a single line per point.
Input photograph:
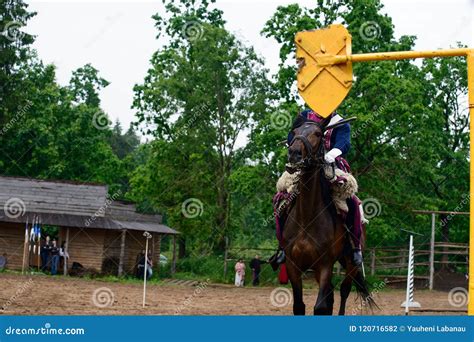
x=45 y=295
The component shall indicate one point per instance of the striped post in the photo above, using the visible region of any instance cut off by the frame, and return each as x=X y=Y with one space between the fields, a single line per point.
x=409 y=302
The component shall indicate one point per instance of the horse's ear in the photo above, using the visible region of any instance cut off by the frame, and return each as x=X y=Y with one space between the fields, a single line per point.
x=325 y=122
x=300 y=120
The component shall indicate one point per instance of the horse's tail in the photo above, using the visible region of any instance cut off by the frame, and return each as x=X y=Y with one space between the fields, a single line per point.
x=363 y=290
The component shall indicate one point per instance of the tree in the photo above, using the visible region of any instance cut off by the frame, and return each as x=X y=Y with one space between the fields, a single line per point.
x=14 y=51
x=404 y=148
x=123 y=143
x=202 y=92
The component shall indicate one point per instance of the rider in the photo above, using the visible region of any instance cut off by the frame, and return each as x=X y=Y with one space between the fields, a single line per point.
x=337 y=144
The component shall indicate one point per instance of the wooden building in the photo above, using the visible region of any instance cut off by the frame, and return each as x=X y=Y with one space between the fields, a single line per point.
x=100 y=232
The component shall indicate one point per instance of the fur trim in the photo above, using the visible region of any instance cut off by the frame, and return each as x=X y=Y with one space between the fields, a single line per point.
x=288 y=182
x=340 y=192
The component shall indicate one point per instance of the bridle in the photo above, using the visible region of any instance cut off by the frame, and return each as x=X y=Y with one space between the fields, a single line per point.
x=310 y=160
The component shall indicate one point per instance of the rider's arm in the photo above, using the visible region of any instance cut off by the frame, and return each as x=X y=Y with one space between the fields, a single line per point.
x=342 y=138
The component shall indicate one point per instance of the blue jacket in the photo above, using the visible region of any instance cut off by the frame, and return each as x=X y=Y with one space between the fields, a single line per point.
x=340 y=136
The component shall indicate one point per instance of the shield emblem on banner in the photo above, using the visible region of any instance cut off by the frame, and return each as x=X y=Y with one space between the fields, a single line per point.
x=321 y=84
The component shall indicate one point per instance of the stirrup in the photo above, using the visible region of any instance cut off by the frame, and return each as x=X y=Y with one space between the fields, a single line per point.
x=357 y=257
x=277 y=259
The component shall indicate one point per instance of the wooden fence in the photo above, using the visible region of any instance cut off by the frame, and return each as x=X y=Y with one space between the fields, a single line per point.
x=388 y=261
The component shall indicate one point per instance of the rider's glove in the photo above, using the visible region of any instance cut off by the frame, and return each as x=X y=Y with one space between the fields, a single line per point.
x=331 y=156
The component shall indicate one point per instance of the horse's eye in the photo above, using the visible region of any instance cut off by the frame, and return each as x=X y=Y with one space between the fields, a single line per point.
x=318 y=134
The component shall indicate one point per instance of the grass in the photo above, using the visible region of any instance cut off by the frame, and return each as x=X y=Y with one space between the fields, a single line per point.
x=210 y=269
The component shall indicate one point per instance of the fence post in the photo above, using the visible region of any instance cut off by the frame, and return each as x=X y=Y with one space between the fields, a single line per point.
x=432 y=242
x=372 y=261
x=226 y=252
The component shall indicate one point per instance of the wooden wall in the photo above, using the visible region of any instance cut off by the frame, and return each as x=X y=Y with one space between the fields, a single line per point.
x=12 y=237
x=134 y=244
x=87 y=246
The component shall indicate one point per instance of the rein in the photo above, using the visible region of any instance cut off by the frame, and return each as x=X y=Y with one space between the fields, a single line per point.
x=310 y=160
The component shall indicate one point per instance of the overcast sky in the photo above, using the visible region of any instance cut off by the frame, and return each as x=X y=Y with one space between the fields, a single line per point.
x=118 y=37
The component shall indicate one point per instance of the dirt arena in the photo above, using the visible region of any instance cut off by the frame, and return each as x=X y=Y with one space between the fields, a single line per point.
x=45 y=295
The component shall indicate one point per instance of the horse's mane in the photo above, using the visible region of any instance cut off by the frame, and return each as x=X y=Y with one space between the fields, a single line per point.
x=326 y=195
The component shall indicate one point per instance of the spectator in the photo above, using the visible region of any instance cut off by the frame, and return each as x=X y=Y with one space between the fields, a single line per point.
x=141 y=265
x=45 y=254
x=239 y=273
x=256 y=266
x=54 y=258
x=63 y=254
x=3 y=261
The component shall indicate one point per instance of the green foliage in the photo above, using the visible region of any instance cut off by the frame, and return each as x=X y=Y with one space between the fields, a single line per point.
x=204 y=92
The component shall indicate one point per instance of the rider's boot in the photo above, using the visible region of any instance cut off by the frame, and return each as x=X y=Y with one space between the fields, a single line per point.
x=357 y=257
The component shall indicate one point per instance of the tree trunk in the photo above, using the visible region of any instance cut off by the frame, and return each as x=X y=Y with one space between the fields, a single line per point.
x=181 y=247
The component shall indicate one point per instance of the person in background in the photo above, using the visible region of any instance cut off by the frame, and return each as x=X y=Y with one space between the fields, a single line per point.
x=239 y=273
x=45 y=253
x=256 y=267
x=149 y=268
x=141 y=265
x=63 y=254
x=54 y=258
x=3 y=261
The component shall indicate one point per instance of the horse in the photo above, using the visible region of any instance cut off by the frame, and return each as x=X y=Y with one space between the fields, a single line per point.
x=315 y=236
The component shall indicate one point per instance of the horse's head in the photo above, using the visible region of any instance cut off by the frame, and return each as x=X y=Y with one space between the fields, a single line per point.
x=306 y=147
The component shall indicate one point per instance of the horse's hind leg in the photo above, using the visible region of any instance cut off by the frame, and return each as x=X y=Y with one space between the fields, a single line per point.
x=294 y=274
x=325 y=300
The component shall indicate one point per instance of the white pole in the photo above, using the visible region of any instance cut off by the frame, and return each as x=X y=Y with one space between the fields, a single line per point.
x=409 y=302
x=147 y=236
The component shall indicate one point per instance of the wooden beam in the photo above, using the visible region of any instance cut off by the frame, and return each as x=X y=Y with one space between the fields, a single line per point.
x=66 y=251
x=122 y=253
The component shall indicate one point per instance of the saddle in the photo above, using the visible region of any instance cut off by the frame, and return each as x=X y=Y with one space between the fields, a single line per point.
x=343 y=186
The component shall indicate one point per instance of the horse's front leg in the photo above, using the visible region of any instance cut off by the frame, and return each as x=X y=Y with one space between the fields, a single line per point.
x=325 y=300
x=294 y=274
x=346 y=284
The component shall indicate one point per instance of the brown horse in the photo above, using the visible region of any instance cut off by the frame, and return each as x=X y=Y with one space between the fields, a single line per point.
x=315 y=237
